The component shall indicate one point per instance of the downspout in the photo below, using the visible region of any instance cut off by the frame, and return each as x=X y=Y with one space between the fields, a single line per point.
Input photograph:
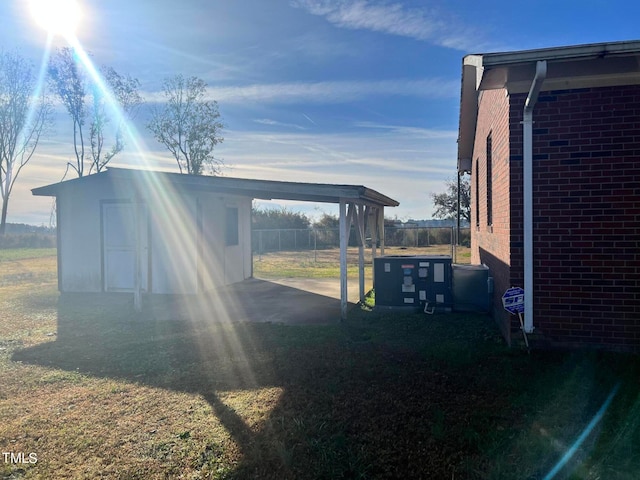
x=527 y=147
x=458 y=215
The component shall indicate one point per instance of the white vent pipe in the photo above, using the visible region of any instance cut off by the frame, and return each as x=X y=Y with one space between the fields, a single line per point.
x=527 y=180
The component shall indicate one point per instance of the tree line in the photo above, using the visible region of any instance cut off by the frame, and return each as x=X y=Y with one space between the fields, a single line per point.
x=445 y=207
x=99 y=103
x=284 y=218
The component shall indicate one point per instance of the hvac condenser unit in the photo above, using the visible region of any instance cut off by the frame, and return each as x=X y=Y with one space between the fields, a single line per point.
x=472 y=288
x=413 y=282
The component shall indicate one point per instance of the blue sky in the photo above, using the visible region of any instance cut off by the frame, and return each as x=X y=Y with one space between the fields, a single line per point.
x=332 y=91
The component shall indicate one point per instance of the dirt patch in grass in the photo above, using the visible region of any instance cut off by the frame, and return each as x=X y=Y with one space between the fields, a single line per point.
x=28 y=298
x=28 y=272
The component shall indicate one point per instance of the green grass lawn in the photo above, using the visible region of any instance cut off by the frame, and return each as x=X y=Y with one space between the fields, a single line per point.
x=326 y=263
x=96 y=391
x=11 y=254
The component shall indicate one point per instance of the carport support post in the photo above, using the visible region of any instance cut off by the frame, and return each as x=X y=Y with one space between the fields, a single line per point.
x=372 y=216
x=361 y=240
x=137 y=281
x=344 y=241
x=381 y=228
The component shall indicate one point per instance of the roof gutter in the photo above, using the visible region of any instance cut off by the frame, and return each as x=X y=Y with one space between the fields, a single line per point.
x=527 y=134
x=571 y=53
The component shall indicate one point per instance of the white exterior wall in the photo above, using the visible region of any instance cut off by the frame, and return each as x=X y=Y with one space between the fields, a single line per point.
x=174 y=245
x=186 y=238
x=79 y=244
x=224 y=264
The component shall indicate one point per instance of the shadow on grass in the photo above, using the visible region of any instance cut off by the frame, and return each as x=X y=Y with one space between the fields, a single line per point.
x=378 y=397
x=206 y=346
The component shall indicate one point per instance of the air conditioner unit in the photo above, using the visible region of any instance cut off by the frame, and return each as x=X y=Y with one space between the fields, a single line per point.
x=472 y=288
x=417 y=282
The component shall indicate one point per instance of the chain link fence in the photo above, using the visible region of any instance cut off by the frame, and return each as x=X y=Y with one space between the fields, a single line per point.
x=273 y=240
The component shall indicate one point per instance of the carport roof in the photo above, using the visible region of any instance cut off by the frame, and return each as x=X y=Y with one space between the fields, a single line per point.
x=261 y=189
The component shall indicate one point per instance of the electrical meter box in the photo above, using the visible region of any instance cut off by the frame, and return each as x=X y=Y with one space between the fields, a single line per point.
x=413 y=282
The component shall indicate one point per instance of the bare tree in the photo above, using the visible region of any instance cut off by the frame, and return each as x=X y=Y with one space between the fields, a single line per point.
x=446 y=203
x=69 y=84
x=23 y=118
x=125 y=91
x=75 y=89
x=188 y=125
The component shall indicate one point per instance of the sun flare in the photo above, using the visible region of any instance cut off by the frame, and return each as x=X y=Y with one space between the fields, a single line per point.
x=58 y=17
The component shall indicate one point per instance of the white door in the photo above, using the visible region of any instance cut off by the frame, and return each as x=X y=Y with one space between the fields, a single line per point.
x=119 y=247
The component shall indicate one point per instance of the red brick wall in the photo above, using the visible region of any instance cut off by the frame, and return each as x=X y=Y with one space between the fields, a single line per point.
x=490 y=243
x=586 y=187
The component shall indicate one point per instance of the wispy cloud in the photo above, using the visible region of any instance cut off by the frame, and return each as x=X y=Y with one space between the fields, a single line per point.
x=276 y=123
x=408 y=180
x=326 y=92
x=406 y=152
x=415 y=132
x=309 y=119
x=332 y=92
x=423 y=24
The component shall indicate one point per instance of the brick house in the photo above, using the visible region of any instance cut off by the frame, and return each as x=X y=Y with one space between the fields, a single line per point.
x=551 y=138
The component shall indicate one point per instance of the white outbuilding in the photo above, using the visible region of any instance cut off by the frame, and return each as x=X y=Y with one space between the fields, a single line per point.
x=151 y=232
